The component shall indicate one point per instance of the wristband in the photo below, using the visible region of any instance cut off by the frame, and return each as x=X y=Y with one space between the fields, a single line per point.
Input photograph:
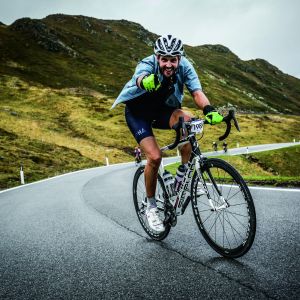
x=207 y=109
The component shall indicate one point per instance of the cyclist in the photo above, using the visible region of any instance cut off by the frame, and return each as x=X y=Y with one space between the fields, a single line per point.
x=215 y=146
x=153 y=99
x=137 y=155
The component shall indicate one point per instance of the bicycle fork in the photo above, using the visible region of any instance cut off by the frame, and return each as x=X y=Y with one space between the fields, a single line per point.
x=224 y=204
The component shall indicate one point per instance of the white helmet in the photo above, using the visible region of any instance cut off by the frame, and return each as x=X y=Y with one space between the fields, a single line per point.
x=168 y=45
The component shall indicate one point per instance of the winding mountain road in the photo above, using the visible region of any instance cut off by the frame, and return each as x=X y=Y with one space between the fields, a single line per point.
x=76 y=236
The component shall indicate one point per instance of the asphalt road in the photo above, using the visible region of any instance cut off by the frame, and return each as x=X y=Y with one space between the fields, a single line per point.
x=240 y=150
x=77 y=237
x=252 y=149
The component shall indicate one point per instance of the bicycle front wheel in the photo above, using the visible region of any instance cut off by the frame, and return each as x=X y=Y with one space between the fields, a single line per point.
x=227 y=220
x=140 y=203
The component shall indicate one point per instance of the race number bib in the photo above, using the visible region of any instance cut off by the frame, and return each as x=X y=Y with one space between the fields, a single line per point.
x=197 y=126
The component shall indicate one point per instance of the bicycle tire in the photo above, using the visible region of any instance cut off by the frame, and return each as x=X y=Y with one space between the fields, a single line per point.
x=234 y=227
x=139 y=199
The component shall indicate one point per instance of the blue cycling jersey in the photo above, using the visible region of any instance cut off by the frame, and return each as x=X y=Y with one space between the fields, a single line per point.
x=186 y=75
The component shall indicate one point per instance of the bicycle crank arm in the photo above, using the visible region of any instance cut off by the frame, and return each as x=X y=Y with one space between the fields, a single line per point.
x=170 y=215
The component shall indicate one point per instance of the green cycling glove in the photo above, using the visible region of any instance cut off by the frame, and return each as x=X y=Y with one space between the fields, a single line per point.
x=211 y=115
x=150 y=83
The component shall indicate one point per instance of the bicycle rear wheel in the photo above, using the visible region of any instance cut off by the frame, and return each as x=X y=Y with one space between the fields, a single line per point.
x=228 y=226
x=140 y=203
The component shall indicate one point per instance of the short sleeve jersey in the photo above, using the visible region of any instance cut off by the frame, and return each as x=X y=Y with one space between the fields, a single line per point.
x=186 y=75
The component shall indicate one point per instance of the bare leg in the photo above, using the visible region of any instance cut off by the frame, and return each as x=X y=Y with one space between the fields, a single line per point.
x=153 y=155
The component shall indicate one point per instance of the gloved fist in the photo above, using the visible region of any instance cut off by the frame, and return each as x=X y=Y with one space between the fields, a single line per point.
x=211 y=115
x=150 y=83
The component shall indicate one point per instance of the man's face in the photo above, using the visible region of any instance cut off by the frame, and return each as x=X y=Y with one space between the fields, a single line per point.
x=168 y=64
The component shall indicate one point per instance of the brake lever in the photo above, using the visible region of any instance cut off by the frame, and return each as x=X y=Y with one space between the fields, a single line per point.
x=236 y=124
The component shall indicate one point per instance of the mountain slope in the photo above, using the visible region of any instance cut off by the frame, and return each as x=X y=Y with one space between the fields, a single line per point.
x=60 y=75
x=71 y=51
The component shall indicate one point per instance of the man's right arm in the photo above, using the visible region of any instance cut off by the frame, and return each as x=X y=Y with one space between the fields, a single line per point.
x=139 y=79
x=144 y=67
x=149 y=83
x=145 y=77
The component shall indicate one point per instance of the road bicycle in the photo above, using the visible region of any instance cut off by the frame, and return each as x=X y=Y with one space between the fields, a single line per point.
x=225 y=147
x=138 y=160
x=221 y=201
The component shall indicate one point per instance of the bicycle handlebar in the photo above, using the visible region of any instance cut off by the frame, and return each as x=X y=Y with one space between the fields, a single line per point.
x=227 y=119
x=177 y=128
x=181 y=125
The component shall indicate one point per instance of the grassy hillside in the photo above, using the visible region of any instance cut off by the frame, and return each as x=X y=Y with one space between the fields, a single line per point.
x=60 y=75
x=63 y=51
x=52 y=131
x=38 y=159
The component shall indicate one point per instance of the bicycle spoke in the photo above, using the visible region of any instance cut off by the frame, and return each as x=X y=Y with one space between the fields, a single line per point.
x=205 y=203
x=204 y=210
x=225 y=233
x=212 y=225
x=235 y=229
x=232 y=205
x=233 y=213
x=208 y=217
x=233 y=195
x=232 y=229
x=238 y=220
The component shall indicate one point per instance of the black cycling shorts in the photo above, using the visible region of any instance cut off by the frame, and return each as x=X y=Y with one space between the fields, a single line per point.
x=141 y=124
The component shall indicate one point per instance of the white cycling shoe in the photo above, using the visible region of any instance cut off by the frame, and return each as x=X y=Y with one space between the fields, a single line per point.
x=154 y=221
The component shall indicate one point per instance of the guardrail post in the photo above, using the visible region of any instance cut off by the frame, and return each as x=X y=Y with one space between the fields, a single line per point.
x=22 y=175
x=106 y=160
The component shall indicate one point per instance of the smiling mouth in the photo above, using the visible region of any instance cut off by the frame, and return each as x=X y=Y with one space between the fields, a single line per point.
x=168 y=70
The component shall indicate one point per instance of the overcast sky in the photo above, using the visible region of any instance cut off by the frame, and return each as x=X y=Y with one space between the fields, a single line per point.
x=267 y=29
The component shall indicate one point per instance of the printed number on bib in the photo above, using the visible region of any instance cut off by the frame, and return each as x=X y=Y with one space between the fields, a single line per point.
x=197 y=126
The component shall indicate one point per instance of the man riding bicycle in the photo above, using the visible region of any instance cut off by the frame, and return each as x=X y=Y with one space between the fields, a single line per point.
x=137 y=155
x=153 y=99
